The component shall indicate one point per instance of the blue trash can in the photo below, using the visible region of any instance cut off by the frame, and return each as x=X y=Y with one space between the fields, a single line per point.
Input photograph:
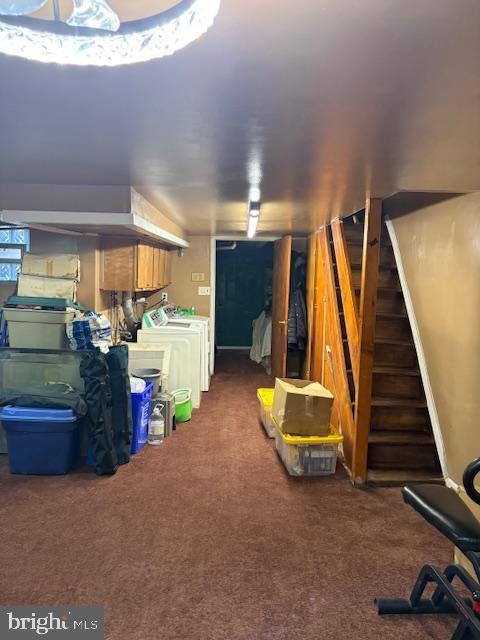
x=141 y=415
x=41 y=441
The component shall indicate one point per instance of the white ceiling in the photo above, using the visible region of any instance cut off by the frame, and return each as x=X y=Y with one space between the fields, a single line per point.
x=335 y=99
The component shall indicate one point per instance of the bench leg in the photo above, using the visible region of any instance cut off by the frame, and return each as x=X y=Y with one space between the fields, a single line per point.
x=444 y=600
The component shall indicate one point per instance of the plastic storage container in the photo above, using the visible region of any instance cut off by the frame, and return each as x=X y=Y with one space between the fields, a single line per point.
x=141 y=415
x=37 y=329
x=265 y=397
x=308 y=455
x=41 y=441
x=183 y=404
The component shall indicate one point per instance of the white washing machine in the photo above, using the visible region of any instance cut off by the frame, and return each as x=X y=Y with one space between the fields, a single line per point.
x=204 y=325
x=185 y=361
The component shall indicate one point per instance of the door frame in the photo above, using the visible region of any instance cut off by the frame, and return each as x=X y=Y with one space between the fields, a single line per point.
x=232 y=237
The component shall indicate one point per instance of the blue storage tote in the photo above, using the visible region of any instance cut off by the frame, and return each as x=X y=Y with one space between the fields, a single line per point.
x=41 y=441
x=141 y=415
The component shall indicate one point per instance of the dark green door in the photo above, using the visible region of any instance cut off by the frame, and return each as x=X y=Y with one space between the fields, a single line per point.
x=243 y=287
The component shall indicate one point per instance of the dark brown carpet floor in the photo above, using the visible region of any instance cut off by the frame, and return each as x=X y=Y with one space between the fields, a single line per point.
x=208 y=538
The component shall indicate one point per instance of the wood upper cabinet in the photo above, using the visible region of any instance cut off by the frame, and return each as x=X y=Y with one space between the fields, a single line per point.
x=167 y=271
x=145 y=266
x=159 y=267
x=129 y=265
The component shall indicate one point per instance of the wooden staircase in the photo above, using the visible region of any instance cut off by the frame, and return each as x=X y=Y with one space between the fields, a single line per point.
x=401 y=446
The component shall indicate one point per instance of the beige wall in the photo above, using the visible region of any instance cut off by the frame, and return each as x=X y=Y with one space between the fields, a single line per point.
x=196 y=259
x=440 y=250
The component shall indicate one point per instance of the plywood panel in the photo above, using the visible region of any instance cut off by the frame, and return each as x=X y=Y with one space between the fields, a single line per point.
x=347 y=291
x=367 y=317
x=339 y=379
x=317 y=367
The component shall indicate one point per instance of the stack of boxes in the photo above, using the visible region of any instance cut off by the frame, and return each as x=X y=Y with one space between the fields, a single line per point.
x=300 y=416
x=46 y=292
x=49 y=276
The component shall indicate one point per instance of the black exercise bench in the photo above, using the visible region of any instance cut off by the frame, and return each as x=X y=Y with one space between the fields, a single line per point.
x=446 y=511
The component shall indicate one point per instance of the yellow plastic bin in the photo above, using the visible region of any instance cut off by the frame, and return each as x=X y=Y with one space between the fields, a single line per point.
x=266 y=402
x=308 y=455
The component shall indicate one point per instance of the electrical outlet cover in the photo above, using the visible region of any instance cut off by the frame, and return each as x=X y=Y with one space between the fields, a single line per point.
x=203 y=291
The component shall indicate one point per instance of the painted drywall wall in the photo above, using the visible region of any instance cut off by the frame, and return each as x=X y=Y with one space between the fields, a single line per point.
x=440 y=251
x=195 y=260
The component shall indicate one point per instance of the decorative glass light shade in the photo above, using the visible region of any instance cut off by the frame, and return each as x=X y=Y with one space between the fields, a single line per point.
x=20 y=7
x=96 y=14
x=136 y=41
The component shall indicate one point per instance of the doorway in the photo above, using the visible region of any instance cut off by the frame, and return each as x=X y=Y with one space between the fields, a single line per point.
x=243 y=290
x=289 y=310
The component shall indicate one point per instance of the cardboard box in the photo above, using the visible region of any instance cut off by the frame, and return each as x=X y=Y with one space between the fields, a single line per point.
x=301 y=407
x=41 y=287
x=59 y=265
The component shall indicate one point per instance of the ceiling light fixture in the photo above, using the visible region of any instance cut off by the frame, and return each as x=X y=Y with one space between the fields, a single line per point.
x=253 y=216
x=135 y=41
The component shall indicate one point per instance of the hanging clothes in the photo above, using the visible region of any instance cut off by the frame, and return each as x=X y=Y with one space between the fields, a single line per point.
x=297 y=312
x=297 y=321
x=261 y=338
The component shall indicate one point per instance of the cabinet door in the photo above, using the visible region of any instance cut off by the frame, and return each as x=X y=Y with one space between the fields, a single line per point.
x=167 y=279
x=156 y=268
x=118 y=264
x=161 y=268
x=145 y=266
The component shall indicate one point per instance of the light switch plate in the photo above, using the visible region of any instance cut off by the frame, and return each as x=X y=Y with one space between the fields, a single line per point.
x=203 y=291
x=198 y=277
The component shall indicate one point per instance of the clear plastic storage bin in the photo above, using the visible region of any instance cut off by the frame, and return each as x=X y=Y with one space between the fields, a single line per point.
x=308 y=455
x=265 y=397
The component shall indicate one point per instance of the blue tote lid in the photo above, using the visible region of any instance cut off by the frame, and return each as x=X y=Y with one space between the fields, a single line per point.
x=35 y=414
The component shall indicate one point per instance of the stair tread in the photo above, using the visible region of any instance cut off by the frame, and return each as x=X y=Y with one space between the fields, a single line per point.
x=399 y=402
x=401 y=437
x=400 y=477
x=387 y=314
x=358 y=241
x=396 y=371
x=357 y=266
x=397 y=289
x=396 y=341
x=393 y=371
x=409 y=403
